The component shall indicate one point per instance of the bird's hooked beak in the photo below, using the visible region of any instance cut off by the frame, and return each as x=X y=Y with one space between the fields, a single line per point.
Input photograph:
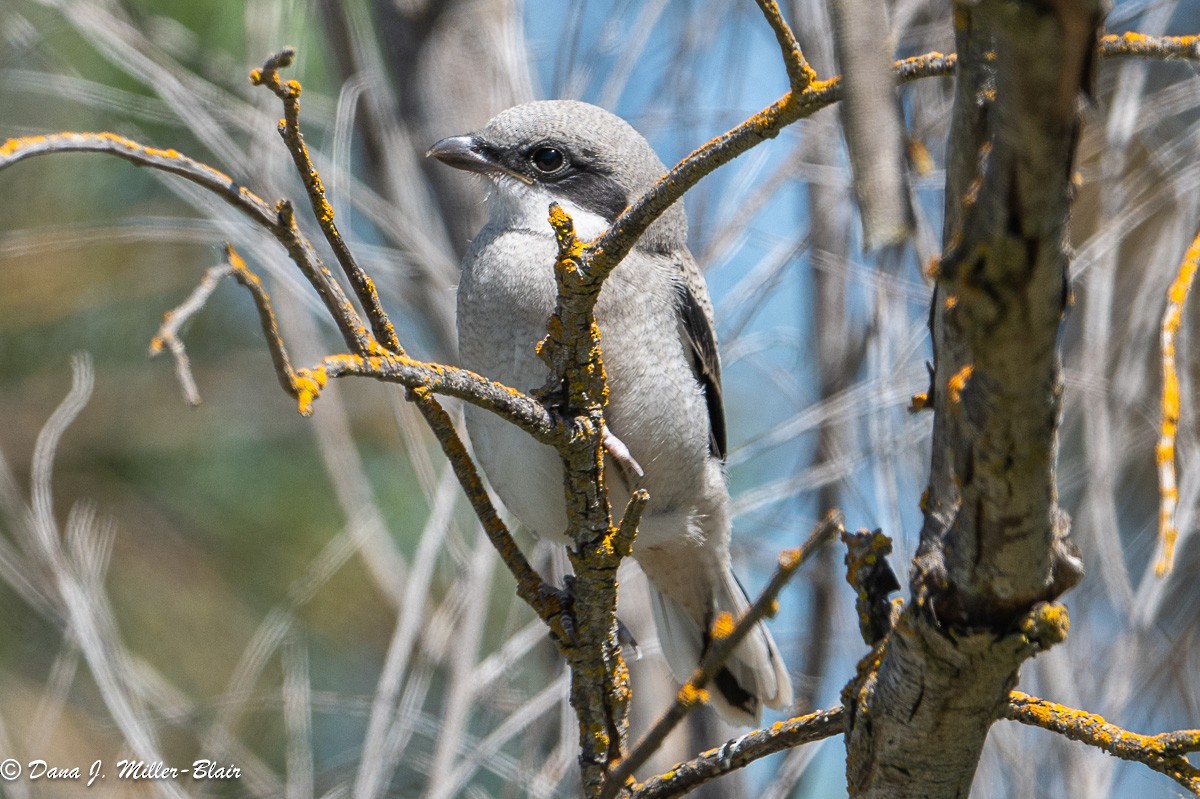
x=473 y=154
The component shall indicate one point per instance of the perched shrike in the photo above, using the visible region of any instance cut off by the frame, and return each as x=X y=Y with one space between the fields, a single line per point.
x=660 y=354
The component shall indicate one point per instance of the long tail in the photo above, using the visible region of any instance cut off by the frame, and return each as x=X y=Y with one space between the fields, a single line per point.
x=685 y=605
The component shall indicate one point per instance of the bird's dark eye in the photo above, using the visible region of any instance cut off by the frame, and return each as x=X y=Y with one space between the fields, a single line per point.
x=547 y=160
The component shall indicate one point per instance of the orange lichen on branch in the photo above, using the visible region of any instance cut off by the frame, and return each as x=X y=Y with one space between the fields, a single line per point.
x=870 y=575
x=1047 y=624
x=718 y=653
x=521 y=409
x=1141 y=45
x=309 y=384
x=1165 y=752
x=569 y=247
x=800 y=74
x=1168 y=487
x=740 y=751
x=289 y=129
x=692 y=696
x=958 y=383
x=722 y=625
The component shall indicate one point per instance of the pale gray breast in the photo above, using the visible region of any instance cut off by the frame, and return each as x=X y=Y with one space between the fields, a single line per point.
x=505 y=297
x=656 y=405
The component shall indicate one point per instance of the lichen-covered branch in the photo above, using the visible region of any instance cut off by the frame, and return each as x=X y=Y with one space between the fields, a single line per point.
x=870 y=575
x=1168 y=488
x=295 y=384
x=1166 y=752
x=289 y=129
x=727 y=634
x=800 y=74
x=578 y=389
x=280 y=221
x=1139 y=45
x=521 y=409
x=740 y=752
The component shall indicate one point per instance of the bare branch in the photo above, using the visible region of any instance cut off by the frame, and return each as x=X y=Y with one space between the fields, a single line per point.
x=289 y=128
x=800 y=74
x=296 y=385
x=280 y=221
x=174 y=320
x=726 y=637
x=1165 y=752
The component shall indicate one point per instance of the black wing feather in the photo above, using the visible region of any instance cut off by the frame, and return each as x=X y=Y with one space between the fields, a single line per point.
x=706 y=363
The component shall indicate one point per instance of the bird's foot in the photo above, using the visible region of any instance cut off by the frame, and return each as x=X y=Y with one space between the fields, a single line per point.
x=562 y=624
x=621 y=455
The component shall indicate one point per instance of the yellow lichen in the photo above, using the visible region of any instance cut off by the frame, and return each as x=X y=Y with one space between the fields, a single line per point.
x=1170 y=400
x=790 y=558
x=691 y=696
x=722 y=626
x=958 y=383
x=308 y=386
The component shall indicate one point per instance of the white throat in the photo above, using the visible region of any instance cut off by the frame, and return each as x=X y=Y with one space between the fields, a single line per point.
x=513 y=204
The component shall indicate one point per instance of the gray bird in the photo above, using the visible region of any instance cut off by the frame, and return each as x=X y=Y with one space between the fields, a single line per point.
x=665 y=417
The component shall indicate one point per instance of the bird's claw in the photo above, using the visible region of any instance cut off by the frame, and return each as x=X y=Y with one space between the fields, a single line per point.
x=565 y=599
x=620 y=453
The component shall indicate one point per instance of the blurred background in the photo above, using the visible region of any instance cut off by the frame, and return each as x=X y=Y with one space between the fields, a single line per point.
x=310 y=600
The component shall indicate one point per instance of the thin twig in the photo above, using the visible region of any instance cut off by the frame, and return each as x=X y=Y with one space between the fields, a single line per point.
x=174 y=320
x=297 y=385
x=1165 y=753
x=725 y=641
x=1139 y=45
x=289 y=128
x=800 y=74
x=530 y=586
x=521 y=409
x=1168 y=488
x=279 y=221
x=740 y=752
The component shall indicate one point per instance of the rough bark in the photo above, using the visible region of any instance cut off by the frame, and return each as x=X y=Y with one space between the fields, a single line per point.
x=994 y=551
